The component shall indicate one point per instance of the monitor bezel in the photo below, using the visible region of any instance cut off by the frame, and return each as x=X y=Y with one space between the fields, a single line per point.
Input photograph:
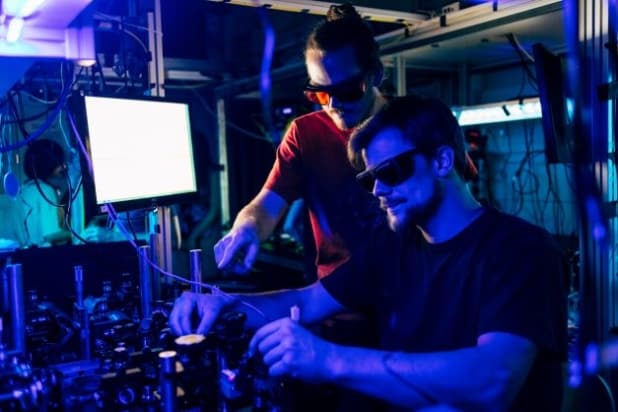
x=92 y=206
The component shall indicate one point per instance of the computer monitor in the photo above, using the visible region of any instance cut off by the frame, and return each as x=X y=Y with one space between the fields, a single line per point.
x=142 y=152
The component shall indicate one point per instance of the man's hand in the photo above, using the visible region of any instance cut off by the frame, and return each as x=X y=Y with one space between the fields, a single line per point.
x=207 y=307
x=289 y=349
x=237 y=250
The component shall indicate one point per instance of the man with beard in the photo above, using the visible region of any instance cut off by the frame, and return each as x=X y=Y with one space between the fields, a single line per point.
x=344 y=71
x=470 y=301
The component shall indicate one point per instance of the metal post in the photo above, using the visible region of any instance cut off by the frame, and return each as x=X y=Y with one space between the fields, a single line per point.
x=156 y=71
x=167 y=365
x=79 y=285
x=400 y=75
x=222 y=145
x=156 y=275
x=82 y=314
x=17 y=310
x=145 y=282
x=195 y=257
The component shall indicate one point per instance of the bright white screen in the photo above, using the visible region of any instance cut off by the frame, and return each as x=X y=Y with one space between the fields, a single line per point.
x=140 y=149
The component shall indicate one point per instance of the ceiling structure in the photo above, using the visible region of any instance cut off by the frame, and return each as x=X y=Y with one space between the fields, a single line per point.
x=219 y=44
x=477 y=36
x=56 y=29
x=425 y=37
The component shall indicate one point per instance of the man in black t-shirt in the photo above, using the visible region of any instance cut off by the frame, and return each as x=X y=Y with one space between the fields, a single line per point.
x=470 y=302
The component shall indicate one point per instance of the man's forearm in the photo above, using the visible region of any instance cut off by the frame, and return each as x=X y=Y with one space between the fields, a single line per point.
x=465 y=378
x=262 y=213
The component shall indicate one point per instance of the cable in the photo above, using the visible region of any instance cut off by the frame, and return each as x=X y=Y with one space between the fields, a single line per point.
x=522 y=54
x=608 y=390
x=515 y=43
x=137 y=39
x=38 y=99
x=67 y=212
x=119 y=20
x=50 y=119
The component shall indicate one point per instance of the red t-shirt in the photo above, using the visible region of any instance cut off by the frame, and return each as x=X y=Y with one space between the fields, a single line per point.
x=312 y=163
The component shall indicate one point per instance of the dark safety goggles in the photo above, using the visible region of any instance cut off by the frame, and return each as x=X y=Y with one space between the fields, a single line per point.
x=347 y=91
x=391 y=171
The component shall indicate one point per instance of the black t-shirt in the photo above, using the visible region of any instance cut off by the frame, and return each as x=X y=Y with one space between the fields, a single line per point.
x=500 y=274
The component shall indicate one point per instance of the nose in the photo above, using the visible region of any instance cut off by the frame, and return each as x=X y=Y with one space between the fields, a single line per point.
x=380 y=189
x=334 y=103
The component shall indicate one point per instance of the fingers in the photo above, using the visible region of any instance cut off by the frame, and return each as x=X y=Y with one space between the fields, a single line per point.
x=283 y=366
x=280 y=343
x=208 y=308
x=261 y=334
x=180 y=317
x=276 y=342
x=208 y=316
x=221 y=255
x=237 y=250
x=274 y=352
x=252 y=252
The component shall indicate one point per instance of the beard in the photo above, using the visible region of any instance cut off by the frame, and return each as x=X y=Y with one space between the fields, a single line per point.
x=344 y=120
x=418 y=214
x=349 y=117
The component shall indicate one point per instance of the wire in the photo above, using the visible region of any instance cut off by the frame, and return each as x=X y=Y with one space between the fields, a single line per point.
x=513 y=40
x=67 y=212
x=120 y=20
x=46 y=124
x=137 y=39
x=608 y=389
x=38 y=99
x=523 y=54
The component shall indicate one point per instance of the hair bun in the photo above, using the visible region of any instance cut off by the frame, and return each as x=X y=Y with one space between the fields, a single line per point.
x=342 y=11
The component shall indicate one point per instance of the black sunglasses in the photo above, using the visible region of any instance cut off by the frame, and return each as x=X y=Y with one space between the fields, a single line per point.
x=350 y=90
x=391 y=172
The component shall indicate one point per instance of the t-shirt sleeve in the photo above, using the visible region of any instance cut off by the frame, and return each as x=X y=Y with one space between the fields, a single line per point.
x=285 y=177
x=354 y=283
x=525 y=293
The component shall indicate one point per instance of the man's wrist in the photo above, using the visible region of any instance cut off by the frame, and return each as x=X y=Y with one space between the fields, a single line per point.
x=248 y=226
x=334 y=364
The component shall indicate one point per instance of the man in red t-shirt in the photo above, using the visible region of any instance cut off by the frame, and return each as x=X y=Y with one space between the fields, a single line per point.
x=342 y=60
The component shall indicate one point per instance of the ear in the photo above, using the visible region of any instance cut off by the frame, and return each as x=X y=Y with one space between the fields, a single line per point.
x=444 y=160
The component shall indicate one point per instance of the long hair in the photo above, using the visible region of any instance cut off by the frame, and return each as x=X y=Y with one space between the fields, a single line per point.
x=343 y=27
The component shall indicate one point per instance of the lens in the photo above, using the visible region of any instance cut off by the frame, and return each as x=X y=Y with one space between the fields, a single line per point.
x=390 y=172
x=348 y=91
x=317 y=97
x=366 y=180
x=350 y=95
